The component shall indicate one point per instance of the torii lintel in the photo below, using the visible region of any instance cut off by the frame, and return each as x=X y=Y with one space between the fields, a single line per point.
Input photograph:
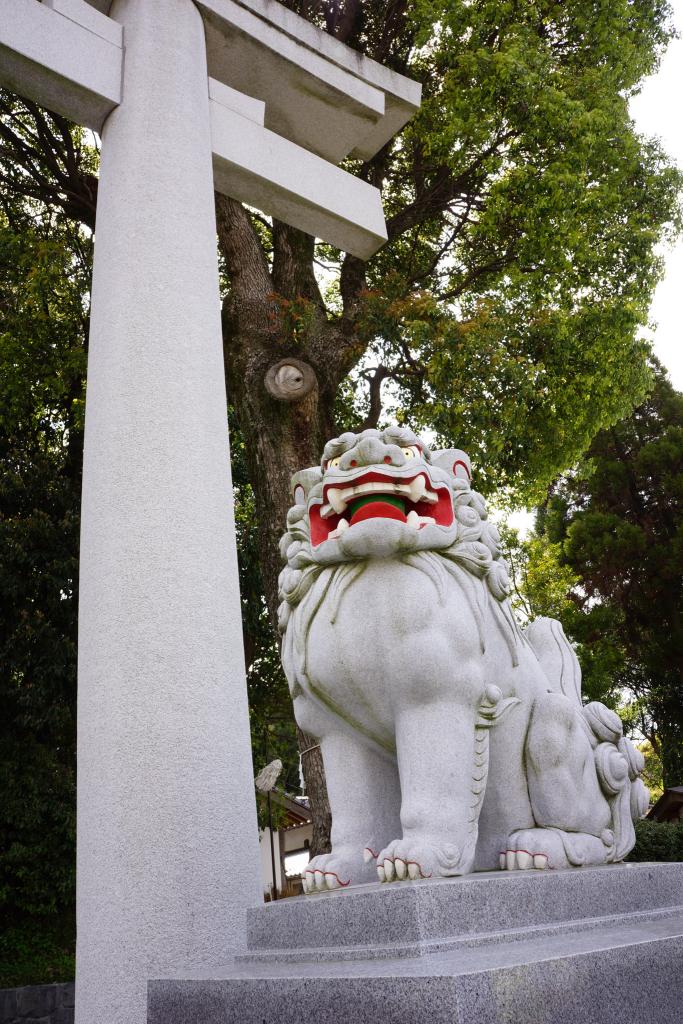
x=322 y=102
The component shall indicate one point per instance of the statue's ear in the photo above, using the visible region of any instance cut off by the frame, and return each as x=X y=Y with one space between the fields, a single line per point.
x=454 y=461
x=302 y=483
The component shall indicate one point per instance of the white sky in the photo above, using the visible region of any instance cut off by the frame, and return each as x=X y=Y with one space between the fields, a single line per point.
x=657 y=111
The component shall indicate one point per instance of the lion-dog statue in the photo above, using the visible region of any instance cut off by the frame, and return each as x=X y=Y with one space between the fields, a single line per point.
x=453 y=740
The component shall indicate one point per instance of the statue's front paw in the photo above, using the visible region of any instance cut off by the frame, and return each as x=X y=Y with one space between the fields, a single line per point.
x=416 y=857
x=337 y=870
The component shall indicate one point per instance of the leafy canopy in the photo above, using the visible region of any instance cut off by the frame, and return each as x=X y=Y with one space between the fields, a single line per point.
x=523 y=210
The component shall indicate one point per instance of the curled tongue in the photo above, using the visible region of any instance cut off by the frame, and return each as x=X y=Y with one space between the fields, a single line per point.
x=378 y=506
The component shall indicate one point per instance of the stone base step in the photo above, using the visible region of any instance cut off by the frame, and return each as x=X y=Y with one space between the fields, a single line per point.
x=399 y=950
x=488 y=949
x=411 y=917
x=625 y=975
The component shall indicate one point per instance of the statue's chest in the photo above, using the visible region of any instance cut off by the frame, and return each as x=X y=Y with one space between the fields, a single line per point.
x=371 y=636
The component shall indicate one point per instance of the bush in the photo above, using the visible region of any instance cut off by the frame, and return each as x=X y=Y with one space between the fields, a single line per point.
x=658 y=840
x=38 y=950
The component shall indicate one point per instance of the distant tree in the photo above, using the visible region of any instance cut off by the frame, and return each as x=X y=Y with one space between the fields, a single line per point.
x=542 y=585
x=545 y=584
x=619 y=522
x=652 y=773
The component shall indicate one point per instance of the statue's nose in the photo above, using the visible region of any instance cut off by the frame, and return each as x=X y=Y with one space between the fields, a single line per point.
x=370 y=451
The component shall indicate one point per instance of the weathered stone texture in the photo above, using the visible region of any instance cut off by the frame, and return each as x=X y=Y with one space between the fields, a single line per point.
x=37 y=1004
x=602 y=944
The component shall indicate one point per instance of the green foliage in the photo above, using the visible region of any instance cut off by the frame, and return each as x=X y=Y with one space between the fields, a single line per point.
x=607 y=560
x=652 y=772
x=536 y=271
x=619 y=522
x=658 y=840
x=542 y=584
x=38 y=950
x=42 y=361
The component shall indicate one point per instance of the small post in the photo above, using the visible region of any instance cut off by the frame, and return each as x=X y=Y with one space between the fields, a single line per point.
x=273 y=892
x=265 y=783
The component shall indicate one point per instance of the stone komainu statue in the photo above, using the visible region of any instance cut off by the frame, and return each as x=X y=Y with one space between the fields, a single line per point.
x=452 y=739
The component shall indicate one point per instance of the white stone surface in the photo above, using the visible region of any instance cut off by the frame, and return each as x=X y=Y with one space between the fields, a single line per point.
x=319 y=93
x=309 y=100
x=89 y=18
x=401 y=94
x=452 y=741
x=238 y=102
x=59 y=62
x=167 y=835
x=259 y=167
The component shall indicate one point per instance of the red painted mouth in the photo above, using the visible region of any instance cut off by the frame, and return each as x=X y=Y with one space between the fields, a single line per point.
x=381 y=504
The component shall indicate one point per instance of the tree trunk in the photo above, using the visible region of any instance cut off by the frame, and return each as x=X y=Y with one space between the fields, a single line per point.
x=269 y=315
x=316 y=788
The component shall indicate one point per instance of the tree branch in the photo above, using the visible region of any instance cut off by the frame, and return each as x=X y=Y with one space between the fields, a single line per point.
x=445 y=187
x=40 y=149
x=493 y=266
x=293 y=264
x=242 y=251
x=372 y=419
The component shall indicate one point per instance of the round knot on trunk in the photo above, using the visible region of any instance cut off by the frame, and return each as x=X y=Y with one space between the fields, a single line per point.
x=290 y=380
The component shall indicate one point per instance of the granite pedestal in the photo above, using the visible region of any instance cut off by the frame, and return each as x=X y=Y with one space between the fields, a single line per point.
x=597 y=944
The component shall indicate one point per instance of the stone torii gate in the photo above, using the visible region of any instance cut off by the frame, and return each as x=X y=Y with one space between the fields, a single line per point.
x=244 y=97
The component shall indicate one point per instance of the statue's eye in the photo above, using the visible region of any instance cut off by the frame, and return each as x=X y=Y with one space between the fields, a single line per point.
x=412 y=453
x=333 y=463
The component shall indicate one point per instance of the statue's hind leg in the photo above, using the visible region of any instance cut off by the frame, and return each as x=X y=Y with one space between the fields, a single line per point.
x=573 y=817
x=365 y=800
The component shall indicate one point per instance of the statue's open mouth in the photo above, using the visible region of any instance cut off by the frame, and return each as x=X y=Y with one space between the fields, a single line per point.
x=410 y=500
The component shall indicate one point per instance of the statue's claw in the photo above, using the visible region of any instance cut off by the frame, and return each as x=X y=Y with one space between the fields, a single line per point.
x=543 y=848
x=516 y=859
x=414 y=858
x=337 y=870
x=321 y=881
x=511 y=860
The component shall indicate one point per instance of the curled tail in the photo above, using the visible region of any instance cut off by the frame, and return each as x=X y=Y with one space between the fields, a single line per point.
x=556 y=657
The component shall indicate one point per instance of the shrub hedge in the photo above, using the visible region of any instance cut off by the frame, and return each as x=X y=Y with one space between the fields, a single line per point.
x=38 y=950
x=658 y=840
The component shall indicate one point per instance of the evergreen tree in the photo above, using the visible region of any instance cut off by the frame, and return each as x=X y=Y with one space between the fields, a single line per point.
x=619 y=521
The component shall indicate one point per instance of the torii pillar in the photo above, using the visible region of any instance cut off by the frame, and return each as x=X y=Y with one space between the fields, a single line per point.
x=167 y=836
x=167 y=845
